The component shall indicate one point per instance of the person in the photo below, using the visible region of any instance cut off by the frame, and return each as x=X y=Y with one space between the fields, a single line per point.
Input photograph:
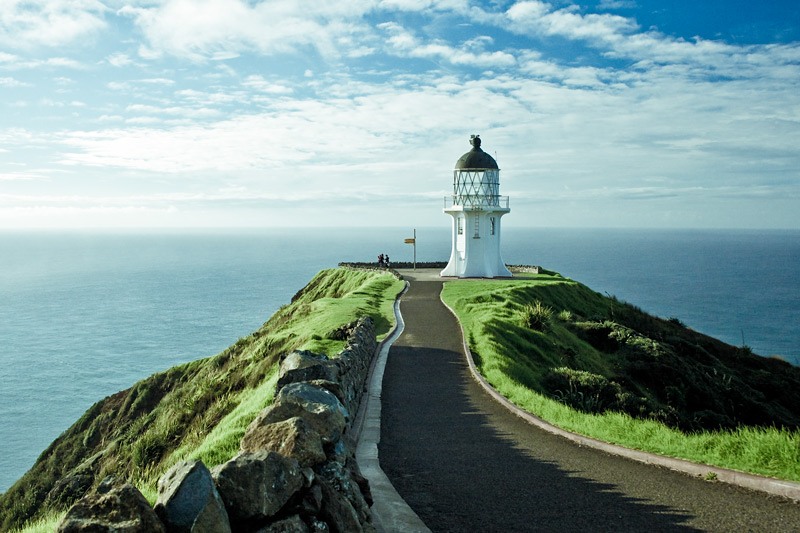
x=386 y=260
x=380 y=260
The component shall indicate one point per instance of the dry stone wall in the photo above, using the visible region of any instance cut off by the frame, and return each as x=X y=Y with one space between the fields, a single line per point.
x=295 y=472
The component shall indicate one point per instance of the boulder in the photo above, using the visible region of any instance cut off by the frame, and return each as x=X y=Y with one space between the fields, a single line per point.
x=350 y=484
x=337 y=511
x=303 y=365
x=121 y=509
x=293 y=524
x=69 y=489
x=293 y=438
x=254 y=486
x=317 y=406
x=188 y=501
x=330 y=386
x=342 y=332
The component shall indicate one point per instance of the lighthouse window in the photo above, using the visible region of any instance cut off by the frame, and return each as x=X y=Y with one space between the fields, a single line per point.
x=491 y=225
x=460 y=226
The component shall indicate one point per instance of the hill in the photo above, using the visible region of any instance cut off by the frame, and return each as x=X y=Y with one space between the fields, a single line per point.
x=199 y=410
x=604 y=368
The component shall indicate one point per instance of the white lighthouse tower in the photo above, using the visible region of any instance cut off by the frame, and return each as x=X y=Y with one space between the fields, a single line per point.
x=476 y=207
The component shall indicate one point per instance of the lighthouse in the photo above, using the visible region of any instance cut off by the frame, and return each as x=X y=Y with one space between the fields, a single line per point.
x=476 y=208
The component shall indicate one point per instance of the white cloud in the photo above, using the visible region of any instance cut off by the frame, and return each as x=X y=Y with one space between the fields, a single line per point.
x=119 y=60
x=118 y=85
x=49 y=23
x=425 y=5
x=218 y=29
x=536 y=17
x=157 y=81
x=11 y=62
x=619 y=37
x=405 y=43
x=12 y=82
x=616 y=4
x=258 y=83
x=211 y=99
x=178 y=111
x=19 y=176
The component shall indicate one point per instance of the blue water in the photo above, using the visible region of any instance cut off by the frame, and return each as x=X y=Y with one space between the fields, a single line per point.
x=83 y=315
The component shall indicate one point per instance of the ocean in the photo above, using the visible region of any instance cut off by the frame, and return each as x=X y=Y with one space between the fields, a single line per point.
x=86 y=314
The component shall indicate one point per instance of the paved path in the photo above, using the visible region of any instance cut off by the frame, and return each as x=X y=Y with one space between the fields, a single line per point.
x=464 y=463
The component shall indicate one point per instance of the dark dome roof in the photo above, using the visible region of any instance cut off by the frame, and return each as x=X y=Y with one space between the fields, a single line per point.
x=476 y=158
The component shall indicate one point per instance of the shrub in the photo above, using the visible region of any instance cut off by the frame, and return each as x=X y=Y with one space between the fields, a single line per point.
x=585 y=391
x=676 y=321
x=565 y=315
x=536 y=316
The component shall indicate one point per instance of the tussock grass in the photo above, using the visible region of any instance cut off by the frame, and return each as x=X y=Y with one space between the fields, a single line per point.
x=46 y=524
x=536 y=316
x=517 y=361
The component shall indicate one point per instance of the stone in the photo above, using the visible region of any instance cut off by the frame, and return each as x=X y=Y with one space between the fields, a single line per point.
x=121 y=509
x=69 y=489
x=330 y=386
x=311 y=503
x=346 y=480
x=337 y=511
x=293 y=438
x=293 y=524
x=319 y=407
x=188 y=501
x=254 y=486
x=361 y=482
x=303 y=365
x=342 y=332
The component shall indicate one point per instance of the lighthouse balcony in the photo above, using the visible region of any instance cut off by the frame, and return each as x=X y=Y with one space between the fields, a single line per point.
x=476 y=202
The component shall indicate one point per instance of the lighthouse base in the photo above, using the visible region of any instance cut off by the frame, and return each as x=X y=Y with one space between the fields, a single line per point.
x=476 y=244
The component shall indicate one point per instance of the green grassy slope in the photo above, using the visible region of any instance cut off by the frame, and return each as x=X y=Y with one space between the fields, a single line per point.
x=604 y=368
x=197 y=410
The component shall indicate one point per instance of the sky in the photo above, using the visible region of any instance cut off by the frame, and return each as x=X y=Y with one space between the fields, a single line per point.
x=234 y=113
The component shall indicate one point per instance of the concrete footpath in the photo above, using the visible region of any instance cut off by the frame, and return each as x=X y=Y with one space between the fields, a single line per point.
x=465 y=463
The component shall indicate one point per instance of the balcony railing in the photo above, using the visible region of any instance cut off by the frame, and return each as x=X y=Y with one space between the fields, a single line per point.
x=476 y=201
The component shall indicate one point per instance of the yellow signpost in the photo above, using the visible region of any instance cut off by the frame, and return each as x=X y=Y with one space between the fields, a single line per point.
x=413 y=241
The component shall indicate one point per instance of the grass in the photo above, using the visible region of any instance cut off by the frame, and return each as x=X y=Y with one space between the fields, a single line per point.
x=766 y=451
x=46 y=524
x=221 y=442
x=536 y=316
x=200 y=409
x=585 y=344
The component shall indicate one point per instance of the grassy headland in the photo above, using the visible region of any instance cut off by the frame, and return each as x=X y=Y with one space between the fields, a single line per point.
x=196 y=410
x=603 y=368
x=588 y=363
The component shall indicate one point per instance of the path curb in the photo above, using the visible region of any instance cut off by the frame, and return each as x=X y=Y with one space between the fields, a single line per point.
x=777 y=487
x=390 y=512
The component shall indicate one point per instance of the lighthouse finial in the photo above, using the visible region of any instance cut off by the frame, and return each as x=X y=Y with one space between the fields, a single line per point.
x=475 y=140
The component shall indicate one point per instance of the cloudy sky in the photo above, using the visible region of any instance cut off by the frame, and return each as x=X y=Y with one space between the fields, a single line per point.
x=186 y=113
